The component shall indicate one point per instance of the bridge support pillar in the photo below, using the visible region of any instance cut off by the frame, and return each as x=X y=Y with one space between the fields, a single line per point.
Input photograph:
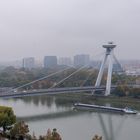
x=109 y=54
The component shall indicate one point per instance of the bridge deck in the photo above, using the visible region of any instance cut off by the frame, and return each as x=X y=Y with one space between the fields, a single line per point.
x=50 y=91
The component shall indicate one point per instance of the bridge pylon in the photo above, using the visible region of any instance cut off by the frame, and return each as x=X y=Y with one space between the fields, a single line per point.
x=109 y=54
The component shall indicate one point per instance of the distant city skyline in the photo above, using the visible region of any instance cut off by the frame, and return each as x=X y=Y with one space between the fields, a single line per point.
x=66 y=28
x=76 y=61
x=40 y=61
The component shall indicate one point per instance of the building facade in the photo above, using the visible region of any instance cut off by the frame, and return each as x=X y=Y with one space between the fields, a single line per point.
x=65 y=61
x=28 y=63
x=81 y=60
x=50 y=61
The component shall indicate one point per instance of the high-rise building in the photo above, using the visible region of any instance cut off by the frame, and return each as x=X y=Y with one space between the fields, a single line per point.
x=28 y=63
x=50 y=61
x=65 y=61
x=81 y=60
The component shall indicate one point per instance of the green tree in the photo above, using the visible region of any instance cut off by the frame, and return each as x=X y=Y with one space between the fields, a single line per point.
x=7 y=117
x=121 y=90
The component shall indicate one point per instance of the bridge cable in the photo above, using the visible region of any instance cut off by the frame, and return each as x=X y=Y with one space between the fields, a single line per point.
x=97 y=65
x=117 y=62
x=43 y=78
x=121 y=70
x=46 y=77
x=38 y=80
x=70 y=75
x=50 y=76
x=83 y=83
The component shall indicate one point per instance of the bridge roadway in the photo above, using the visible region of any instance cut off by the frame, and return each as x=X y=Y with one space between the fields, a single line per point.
x=51 y=91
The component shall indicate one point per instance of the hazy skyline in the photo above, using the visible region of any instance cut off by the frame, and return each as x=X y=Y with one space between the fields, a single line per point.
x=66 y=28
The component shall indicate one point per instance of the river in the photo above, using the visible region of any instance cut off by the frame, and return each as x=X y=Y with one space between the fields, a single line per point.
x=43 y=112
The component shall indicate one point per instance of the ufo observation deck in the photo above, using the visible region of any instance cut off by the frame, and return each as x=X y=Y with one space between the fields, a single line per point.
x=110 y=45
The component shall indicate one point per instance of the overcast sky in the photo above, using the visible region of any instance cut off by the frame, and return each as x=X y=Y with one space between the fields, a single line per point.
x=68 y=27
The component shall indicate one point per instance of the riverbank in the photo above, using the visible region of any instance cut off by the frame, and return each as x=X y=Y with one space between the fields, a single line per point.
x=94 y=99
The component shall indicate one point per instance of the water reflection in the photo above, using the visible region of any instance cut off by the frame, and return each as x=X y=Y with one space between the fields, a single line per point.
x=50 y=116
x=110 y=133
x=42 y=112
x=43 y=100
x=62 y=100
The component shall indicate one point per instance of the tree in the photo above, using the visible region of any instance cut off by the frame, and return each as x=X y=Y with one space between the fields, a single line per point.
x=7 y=117
x=55 y=135
x=121 y=90
x=20 y=130
x=96 y=137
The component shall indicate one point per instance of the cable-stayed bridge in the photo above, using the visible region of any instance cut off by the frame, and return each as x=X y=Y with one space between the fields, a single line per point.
x=21 y=92
x=52 y=91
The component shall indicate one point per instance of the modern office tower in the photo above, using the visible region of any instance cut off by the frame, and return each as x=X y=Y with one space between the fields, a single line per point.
x=81 y=60
x=65 y=61
x=50 y=61
x=28 y=63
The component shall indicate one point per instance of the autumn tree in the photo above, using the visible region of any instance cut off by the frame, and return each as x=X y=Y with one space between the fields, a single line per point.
x=55 y=135
x=96 y=137
x=20 y=130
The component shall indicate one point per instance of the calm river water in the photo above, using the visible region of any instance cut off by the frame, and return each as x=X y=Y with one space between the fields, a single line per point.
x=43 y=112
